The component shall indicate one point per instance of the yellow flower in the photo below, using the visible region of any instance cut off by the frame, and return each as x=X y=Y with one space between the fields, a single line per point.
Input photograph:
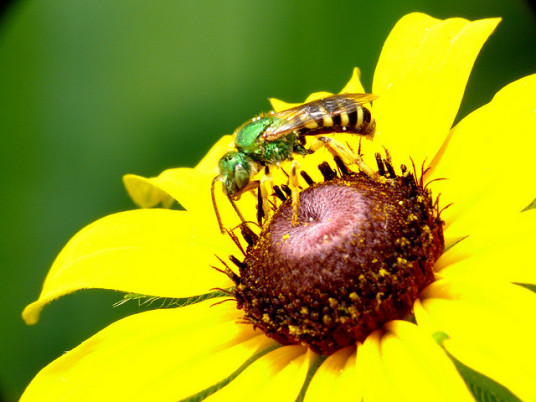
x=474 y=311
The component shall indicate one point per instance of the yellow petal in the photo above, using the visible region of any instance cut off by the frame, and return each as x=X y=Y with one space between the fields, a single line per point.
x=490 y=328
x=317 y=95
x=488 y=161
x=420 y=80
x=377 y=384
x=278 y=105
x=144 y=193
x=336 y=379
x=192 y=189
x=209 y=163
x=185 y=185
x=160 y=355
x=512 y=263
x=419 y=368
x=354 y=86
x=485 y=239
x=154 y=252
x=276 y=376
x=148 y=193
x=505 y=255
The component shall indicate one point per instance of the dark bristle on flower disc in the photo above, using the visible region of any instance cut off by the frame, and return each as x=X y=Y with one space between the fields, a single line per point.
x=362 y=251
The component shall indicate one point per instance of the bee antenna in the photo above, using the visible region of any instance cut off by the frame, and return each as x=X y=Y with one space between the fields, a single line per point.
x=218 y=217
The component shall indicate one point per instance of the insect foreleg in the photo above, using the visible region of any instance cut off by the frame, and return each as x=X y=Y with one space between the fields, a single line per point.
x=293 y=184
x=265 y=189
x=218 y=217
x=233 y=203
x=336 y=148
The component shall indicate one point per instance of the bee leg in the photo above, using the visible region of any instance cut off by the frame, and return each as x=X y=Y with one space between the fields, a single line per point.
x=260 y=206
x=265 y=189
x=233 y=203
x=218 y=217
x=250 y=186
x=336 y=148
x=293 y=184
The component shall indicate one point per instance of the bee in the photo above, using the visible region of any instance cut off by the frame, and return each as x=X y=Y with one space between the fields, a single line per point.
x=271 y=138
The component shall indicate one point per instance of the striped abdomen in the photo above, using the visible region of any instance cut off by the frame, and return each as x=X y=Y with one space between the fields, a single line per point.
x=335 y=114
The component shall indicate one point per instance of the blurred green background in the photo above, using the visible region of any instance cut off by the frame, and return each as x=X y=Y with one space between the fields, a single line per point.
x=91 y=90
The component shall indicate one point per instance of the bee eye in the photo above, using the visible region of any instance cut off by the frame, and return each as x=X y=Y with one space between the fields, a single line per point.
x=241 y=176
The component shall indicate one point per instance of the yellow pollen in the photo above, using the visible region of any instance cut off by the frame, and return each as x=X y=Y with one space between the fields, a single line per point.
x=293 y=330
x=379 y=298
x=354 y=296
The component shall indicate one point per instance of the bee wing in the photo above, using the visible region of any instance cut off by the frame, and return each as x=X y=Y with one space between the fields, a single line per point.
x=301 y=116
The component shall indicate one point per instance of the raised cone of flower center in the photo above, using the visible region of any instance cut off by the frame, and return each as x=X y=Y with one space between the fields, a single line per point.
x=362 y=251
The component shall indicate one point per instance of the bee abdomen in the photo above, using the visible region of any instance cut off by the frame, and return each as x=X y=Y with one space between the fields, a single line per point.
x=337 y=113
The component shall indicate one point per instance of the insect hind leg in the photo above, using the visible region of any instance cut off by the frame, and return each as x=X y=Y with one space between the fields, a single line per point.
x=337 y=149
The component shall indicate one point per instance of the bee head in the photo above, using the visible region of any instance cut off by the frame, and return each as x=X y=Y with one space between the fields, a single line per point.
x=235 y=168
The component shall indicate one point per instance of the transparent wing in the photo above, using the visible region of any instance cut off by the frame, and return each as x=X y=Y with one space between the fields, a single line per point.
x=304 y=116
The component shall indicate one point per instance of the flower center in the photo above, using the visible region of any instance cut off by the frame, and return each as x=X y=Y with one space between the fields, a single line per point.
x=362 y=251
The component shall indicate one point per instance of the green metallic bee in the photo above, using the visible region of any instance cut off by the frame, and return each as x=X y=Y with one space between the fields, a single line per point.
x=272 y=138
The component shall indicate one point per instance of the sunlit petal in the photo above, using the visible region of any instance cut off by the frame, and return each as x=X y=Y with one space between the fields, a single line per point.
x=336 y=379
x=354 y=86
x=209 y=163
x=488 y=254
x=420 y=80
x=377 y=385
x=160 y=355
x=278 y=105
x=317 y=95
x=486 y=161
x=418 y=367
x=488 y=329
x=154 y=252
x=149 y=192
x=485 y=239
x=276 y=376
x=192 y=189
